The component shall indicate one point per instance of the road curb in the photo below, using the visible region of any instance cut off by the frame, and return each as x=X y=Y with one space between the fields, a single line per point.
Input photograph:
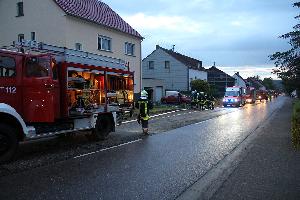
x=212 y=180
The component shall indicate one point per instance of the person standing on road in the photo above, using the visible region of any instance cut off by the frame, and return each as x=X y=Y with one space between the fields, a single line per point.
x=144 y=107
x=194 y=101
x=179 y=98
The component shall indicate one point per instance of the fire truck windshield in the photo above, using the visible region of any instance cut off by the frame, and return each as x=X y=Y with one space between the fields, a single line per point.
x=231 y=93
x=38 y=66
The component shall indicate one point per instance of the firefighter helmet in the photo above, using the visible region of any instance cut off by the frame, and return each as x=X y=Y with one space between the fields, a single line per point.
x=144 y=94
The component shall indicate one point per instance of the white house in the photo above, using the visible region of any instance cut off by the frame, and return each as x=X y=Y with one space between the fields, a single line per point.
x=171 y=70
x=85 y=25
x=239 y=81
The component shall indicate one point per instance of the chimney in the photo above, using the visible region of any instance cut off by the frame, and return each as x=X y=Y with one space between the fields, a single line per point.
x=199 y=65
x=157 y=46
x=237 y=73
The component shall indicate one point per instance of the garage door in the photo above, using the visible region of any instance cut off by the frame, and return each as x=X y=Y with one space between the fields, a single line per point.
x=158 y=93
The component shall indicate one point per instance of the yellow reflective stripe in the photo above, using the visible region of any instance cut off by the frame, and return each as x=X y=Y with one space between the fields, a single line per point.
x=146 y=110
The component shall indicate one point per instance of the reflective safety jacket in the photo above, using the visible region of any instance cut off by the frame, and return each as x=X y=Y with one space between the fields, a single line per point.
x=144 y=109
x=195 y=97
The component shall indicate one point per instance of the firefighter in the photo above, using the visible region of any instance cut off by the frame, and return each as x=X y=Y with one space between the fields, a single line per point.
x=143 y=116
x=194 y=102
x=211 y=102
x=269 y=96
x=202 y=101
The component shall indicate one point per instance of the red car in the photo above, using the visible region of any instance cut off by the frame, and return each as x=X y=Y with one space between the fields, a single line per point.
x=180 y=98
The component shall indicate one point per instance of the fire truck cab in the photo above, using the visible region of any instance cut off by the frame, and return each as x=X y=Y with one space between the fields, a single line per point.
x=40 y=97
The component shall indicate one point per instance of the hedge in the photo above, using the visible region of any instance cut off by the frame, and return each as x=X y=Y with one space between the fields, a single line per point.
x=296 y=125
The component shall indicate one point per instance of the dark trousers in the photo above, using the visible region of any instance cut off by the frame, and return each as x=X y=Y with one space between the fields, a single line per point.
x=144 y=123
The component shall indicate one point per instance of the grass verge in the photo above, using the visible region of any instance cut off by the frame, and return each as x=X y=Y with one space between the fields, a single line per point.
x=296 y=125
x=163 y=108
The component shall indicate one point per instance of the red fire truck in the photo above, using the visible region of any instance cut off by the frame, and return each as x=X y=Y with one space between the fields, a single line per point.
x=41 y=97
x=250 y=95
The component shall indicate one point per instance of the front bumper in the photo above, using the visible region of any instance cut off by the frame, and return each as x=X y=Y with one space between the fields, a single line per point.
x=231 y=103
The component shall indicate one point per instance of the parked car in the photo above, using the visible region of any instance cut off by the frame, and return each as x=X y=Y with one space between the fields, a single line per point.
x=175 y=97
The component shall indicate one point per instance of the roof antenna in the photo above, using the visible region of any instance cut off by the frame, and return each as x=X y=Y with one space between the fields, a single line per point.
x=214 y=64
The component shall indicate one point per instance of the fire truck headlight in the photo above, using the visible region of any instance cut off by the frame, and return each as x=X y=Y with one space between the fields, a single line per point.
x=224 y=100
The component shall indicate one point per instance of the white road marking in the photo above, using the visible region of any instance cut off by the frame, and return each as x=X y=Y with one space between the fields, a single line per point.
x=126 y=122
x=166 y=113
x=152 y=116
x=113 y=147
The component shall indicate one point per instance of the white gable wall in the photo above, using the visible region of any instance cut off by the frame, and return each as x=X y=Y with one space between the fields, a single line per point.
x=238 y=81
x=175 y=78
x=43 y=17
x=52 y=26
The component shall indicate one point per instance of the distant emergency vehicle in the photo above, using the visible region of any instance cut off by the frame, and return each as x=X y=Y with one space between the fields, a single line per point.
x=250 y=95
x=234 y=96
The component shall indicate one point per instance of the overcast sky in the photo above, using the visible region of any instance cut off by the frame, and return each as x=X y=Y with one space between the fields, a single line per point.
x=236 y=34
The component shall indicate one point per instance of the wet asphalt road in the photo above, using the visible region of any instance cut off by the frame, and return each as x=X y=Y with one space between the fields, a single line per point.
x=160 y=166
x=48 y=151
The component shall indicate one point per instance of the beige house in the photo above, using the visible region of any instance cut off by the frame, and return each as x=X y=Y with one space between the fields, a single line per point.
x=85 y=25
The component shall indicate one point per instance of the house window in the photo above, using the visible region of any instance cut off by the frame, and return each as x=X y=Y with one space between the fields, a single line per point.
x=20 y=9
x=104 y=43
x=78 y=46
x=167 y=64
x=129 y=49
x=21 y=37
x=7 y=67
x=32 y=36
x=151 y=64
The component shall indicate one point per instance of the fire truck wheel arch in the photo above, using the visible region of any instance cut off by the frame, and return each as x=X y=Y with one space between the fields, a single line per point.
x=10 y=116
x=103 y=126
x=8 y=142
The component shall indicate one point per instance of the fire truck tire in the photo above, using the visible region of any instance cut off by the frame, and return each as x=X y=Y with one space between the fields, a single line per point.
x=103 y=127
x=8 y=143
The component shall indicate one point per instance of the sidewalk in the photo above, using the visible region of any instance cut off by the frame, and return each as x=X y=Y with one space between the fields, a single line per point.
x=271 y=169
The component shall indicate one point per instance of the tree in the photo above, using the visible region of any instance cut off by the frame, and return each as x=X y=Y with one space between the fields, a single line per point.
x=200 y=86
x=213 y=90
x=268 y=82
x=288 y=62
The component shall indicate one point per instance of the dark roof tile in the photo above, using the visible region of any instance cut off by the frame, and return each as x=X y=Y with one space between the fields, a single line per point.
x=188 y=61
x=215 y=70
x=97 y=12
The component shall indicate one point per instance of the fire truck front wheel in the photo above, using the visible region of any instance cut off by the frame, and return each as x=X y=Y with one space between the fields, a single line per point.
x=103 y=127
x=8 y=143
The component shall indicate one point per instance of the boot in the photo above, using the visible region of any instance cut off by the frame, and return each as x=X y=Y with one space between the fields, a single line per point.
x=145 y=131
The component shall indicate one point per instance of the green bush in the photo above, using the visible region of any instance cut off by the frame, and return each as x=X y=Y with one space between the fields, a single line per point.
x=296 y=125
